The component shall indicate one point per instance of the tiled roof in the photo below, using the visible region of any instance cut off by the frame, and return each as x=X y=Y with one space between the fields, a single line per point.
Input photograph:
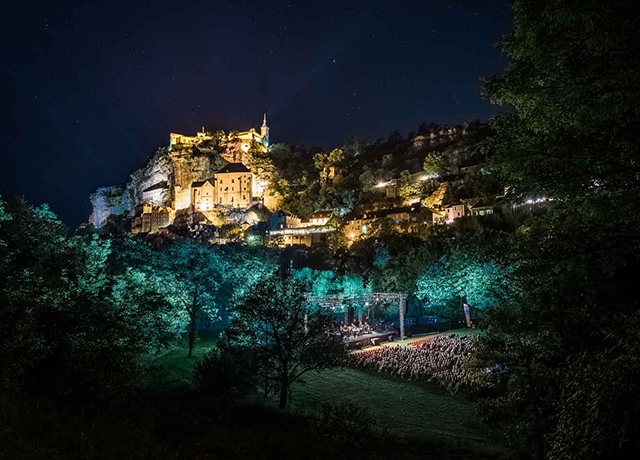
x=200 y=183
x=234 y=168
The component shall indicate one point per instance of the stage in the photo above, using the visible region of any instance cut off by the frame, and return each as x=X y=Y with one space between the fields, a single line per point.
x=367 y=340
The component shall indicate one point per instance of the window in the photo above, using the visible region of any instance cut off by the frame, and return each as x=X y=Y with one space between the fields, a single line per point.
x=232 y=181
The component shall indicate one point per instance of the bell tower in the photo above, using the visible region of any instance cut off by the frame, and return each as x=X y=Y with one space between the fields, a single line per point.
x=264 y=131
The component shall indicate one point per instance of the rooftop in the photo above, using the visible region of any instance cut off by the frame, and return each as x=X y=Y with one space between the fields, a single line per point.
x=159 y=186
x=234 y=168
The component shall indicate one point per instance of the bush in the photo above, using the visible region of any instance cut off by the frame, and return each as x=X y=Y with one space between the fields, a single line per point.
x=228 y=371
x=345 y=421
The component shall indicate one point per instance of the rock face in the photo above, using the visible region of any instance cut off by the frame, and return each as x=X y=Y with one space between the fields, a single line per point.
x=189 y=168
x=175 y=170
x=108 y=201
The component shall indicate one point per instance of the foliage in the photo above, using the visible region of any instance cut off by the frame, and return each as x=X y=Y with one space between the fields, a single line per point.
x=62 y=314
x=227 y=371
x=194 y=274
x=342 y=419
x=407 y=187
x=572 y=81
x=433 y=164
x=289 y=339
x=461 y=277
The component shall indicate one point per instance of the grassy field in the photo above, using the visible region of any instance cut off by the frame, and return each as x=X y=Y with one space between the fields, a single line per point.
x=401 y=407
x=176 y=368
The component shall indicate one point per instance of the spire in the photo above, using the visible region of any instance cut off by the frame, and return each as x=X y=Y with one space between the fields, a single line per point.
x=264 y=131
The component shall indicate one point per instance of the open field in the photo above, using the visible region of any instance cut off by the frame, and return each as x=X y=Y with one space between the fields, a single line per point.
x=176 y=368
x=401 y=407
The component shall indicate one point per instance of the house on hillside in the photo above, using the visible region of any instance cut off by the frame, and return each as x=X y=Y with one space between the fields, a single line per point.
x=234 y=186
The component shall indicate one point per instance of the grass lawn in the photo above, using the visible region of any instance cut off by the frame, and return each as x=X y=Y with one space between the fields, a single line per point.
x=402 y=407
x=176 y=368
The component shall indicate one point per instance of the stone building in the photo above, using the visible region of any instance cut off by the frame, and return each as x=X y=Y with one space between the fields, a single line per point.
x=150 y=219
x=447 y=214
x=156 y=194
x=203 y=195
x=234 y=186
x=238 y=143
x=288 y=230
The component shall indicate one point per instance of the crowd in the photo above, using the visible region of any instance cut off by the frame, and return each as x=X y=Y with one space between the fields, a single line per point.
x=441 y=359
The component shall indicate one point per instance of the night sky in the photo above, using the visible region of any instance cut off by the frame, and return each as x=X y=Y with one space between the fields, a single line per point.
x=91 y=90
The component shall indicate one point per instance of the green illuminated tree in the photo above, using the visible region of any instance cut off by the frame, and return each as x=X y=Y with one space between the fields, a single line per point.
x=194 y=273
x=288 y=337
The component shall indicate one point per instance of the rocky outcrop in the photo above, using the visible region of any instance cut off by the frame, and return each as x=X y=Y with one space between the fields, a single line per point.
x=107 y=201
x=177 y=169
x=193 y=167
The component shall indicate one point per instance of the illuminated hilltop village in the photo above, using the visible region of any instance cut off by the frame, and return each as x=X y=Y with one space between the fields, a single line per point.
x=210 y=185
x=201 y=178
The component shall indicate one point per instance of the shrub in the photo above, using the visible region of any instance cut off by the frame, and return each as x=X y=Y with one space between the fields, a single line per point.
x=228 y=371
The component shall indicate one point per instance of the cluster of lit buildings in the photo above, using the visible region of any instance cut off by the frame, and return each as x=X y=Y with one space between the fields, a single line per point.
x=233 y=186
x=288 y=230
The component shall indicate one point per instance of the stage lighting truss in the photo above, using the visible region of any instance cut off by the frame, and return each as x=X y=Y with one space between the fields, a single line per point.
x=340 y=302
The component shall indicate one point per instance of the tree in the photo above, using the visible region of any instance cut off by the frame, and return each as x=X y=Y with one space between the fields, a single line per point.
x=288 y=337
x=573 y=83
x=434 y=164
x=195 y=272
x=407 y=186
x=61 y=315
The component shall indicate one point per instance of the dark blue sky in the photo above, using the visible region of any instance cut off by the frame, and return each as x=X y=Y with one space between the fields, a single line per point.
x=90 y=90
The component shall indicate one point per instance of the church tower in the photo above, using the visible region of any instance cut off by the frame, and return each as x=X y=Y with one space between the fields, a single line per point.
x=264 y=131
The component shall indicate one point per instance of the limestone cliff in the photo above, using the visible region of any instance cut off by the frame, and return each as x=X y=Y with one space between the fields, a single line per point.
x=175 y=169
x=108 y=201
